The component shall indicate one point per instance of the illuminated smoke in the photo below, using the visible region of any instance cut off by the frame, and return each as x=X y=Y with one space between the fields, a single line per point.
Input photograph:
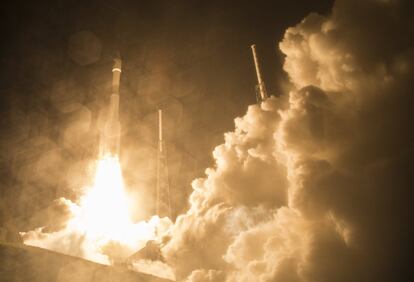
x=314 y=185
x=99 y=227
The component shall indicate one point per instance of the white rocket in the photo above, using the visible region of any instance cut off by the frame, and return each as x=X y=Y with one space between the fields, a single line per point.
x=111 y=133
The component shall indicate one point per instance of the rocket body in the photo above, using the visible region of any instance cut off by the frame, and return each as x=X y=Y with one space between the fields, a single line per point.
x=111 y=132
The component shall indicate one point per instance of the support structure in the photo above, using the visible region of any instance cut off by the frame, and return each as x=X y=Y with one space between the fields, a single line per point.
x=261 y=93
x=163 y=205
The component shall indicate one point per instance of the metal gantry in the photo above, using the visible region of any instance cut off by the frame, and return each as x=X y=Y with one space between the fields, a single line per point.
x=163 y=204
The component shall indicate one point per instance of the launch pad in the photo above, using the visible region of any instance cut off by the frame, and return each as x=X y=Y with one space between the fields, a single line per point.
x=26 y=263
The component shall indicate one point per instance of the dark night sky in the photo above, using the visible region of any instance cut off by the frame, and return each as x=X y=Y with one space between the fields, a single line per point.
x=213 y=36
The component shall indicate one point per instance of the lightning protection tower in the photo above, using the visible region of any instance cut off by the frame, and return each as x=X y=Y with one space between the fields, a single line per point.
x=163 y=206
x=261 y=93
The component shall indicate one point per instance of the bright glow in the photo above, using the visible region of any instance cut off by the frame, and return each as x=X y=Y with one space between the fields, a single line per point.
x=103 y=211
x=100 y=228
x=103 y=217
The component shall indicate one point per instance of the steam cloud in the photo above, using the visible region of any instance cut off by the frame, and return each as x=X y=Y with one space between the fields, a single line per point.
x=314 y=185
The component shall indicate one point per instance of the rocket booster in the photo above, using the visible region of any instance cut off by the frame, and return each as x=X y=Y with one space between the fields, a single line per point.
x=111 y=133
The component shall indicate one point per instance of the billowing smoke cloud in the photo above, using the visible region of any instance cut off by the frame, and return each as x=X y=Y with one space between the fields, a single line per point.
x=314 y=185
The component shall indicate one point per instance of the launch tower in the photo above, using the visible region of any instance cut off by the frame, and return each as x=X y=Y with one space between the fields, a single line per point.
x=261 y=93
x=163 y=206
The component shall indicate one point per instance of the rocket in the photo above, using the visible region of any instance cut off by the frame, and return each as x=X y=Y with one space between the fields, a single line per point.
x=111 y=132
x=261 y=93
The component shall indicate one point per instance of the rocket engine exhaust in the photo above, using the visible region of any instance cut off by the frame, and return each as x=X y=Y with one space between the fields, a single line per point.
x=111 y=133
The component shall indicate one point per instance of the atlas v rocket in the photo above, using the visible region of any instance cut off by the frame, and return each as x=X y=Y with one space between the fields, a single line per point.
x=111 y=133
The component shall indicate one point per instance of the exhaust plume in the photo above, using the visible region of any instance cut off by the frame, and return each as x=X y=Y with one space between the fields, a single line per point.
x=99 y=228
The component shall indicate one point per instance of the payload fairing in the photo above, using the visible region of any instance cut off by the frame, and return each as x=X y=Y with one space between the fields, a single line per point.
x=111 y=132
